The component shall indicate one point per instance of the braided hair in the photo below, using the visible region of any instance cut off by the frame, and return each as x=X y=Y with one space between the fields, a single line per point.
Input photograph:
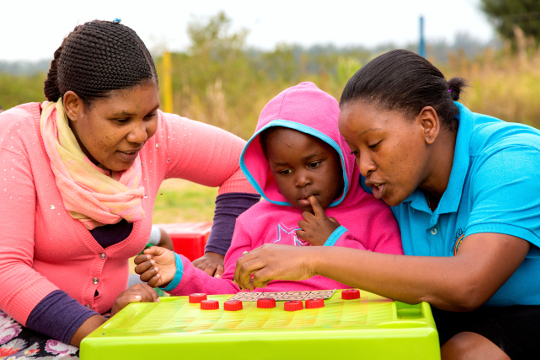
x=96 y=58
x=402 y=80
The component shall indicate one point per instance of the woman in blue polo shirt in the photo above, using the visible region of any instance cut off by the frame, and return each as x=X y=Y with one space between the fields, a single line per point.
x=465 y=189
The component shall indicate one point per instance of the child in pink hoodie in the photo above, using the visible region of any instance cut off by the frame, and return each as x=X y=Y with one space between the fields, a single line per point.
x=306 y=174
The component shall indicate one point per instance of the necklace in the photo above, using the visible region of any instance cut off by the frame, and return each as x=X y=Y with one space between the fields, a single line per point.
x=428 y=202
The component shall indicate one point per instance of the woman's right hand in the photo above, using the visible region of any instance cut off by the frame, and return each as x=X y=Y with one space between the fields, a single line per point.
x=156 y=266
x=136 y=293
x=274 y=262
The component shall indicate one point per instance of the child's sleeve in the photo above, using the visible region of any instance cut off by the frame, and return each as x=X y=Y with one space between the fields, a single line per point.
x=189 y=279
x=343 y=237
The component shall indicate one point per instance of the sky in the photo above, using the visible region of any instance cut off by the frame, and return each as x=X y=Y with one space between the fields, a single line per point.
x=32 y=30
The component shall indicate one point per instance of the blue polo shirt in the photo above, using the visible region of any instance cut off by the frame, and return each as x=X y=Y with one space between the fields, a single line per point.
x=494 y=187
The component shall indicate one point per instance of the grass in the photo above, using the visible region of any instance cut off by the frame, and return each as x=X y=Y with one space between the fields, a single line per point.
x=183 y=201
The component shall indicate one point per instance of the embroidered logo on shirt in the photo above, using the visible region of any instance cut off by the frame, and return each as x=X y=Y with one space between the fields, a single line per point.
x=458 y=239
x=288 y=236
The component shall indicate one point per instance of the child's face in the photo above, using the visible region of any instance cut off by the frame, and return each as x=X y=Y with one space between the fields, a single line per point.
x=303 y=166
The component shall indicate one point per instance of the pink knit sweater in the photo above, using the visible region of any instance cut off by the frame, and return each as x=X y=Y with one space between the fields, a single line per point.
x=42 y=248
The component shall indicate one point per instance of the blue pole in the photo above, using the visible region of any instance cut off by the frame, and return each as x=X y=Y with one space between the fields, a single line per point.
x=421 y=44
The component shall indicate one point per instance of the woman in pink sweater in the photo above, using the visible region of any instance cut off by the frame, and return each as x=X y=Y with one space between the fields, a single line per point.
x=80 y=175
x=304 y=170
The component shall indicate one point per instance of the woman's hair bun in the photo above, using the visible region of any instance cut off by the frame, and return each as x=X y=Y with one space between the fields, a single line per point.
x=455 y=86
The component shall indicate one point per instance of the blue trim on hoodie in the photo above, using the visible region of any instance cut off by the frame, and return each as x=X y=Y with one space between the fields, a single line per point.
x=332 y=239
x=177 y=275
x=306 y=130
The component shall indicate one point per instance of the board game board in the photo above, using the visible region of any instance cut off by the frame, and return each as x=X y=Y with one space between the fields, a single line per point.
x=371 y=327
x=283 y=296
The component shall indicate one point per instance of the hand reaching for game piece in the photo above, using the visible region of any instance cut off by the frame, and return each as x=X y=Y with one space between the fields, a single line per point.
x=156 y=266
x=316 y=227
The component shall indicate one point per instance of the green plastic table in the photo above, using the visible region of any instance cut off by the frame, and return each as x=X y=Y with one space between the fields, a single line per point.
x=371 y=327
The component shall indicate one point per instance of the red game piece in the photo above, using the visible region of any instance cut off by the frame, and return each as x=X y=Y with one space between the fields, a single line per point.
x=314 y=303
x=232 y=305
x=350 y=294
x=293 y=305
x=196 y=298
x=266 y=303
x=209 y=305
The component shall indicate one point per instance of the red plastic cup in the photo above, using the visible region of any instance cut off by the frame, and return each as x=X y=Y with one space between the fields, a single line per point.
x=209 y=305
x=232 y=305
x=266 y=303
x=196 y=298
x=350 y=294
x=294 y=305
x=314 y=303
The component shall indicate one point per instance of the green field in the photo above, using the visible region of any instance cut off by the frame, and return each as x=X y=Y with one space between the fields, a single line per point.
x=183 y=201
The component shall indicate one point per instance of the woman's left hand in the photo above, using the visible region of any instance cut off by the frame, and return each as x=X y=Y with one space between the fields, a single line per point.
x=271 y=262
x=136 y=293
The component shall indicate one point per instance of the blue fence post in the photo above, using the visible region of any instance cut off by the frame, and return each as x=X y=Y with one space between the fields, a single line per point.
x=421 y=44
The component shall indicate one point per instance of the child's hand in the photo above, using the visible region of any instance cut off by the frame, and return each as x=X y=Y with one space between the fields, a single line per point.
x=157 y=266
x=316 y=227
x=136 y=293
x=211 y=263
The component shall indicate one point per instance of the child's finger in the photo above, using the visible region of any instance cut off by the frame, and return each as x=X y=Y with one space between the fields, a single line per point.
x=150 y=273
x=334 y=221
x=141 y=258
x=156 y=281
x=318 y=211
x=302 y=234
x=141 y=268
x=303 y=224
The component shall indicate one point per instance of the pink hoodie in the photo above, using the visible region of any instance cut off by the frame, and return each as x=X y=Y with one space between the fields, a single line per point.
x=366 y=223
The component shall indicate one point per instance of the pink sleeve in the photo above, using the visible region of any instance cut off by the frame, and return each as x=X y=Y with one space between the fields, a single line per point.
x=203 y=154
x=240 y=242
x=345 y=239
x=22 y=288
x=197 y=281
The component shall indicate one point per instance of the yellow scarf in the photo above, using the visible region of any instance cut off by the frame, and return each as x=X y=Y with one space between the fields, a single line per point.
x=89 y=194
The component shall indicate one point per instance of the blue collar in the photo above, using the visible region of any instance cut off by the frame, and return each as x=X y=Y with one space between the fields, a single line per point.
x=460 y=166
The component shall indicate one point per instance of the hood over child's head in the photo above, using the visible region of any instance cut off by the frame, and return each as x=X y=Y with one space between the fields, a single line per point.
x=308 y=156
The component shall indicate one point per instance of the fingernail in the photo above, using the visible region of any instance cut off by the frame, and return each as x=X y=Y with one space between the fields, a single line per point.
x=218 y=276
x=138 y=297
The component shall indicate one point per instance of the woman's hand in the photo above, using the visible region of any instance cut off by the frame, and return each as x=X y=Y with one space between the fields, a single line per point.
x=136 y=293
x=316 y=227
x=211 y=263
x=156 y=266
x=273 y=262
